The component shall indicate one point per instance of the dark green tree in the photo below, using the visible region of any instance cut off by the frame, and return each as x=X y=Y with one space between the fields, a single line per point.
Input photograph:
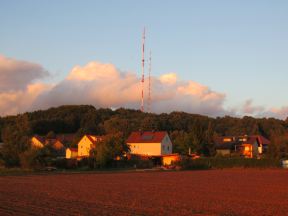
x=112 y=147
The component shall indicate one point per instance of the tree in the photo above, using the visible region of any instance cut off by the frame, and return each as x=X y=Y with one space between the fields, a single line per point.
x=16 y=139
x=274 y=147
x=181 y=142
x=51 y=135
x=112 y=147
x=209 y=146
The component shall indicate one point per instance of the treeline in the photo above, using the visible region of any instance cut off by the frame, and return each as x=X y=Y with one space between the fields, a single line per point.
x=187 y=131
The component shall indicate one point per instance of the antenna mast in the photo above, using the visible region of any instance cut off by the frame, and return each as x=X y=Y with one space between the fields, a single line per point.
x=149 y=90
x=143 y=63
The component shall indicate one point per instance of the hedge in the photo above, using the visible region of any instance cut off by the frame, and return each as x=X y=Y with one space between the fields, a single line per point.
x=220 y=163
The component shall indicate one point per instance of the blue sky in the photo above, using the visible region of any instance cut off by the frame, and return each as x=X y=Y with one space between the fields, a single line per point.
x=239 y=48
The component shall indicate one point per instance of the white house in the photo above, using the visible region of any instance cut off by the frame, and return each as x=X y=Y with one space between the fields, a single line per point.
x=149 y=143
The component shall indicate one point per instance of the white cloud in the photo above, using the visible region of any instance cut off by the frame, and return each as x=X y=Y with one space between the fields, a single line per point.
x=102 y=85
x=16 y=75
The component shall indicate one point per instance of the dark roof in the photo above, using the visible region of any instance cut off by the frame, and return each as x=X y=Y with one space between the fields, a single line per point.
x=65 y=138
x=230 y=145
x=61 y=137
x=73 y=149
x=146 y=137
x=40 y=138
x=238 y=140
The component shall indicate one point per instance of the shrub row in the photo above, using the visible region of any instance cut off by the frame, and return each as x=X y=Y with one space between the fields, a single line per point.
x=220 y=163
x=134 y=162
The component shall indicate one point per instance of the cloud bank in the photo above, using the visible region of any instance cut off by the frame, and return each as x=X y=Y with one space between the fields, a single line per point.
x=16 y=75
x=103 y=85
x=18 y=85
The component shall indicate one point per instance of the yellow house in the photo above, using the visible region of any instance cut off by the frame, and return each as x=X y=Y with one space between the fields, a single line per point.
x=149 y=143
x=86 y=144
x=37 y=142
x=41 y=141
x=71 y=153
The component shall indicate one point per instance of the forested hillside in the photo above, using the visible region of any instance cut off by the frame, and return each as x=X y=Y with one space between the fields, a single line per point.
x=186 y=130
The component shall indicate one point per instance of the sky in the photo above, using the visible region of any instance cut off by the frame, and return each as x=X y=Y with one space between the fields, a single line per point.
x=209 y=57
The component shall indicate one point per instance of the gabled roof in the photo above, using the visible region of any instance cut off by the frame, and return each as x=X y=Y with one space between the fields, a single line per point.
x=146 y=137
x=55 y=142
x=60 y=137
x=262 y=140
x=94 y=139
x=40 y=138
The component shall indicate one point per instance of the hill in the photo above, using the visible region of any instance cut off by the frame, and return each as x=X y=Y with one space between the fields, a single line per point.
x=186 y=130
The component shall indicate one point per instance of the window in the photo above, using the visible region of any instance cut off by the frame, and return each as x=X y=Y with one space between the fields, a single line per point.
x=168 y=148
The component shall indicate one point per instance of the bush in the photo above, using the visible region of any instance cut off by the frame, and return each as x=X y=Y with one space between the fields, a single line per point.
x=140 y=163
x=71 y=163
x=59 y=163
x=197 y=164
x=30 y=159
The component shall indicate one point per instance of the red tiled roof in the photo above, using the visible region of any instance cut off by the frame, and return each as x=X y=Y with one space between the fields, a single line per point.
x=98 y=138
x=146 y=137
x=263 y=140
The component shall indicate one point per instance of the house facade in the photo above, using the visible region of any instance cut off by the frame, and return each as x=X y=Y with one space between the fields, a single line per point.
x=71 y=153
x=149 y=143
x=86 y=144
x=245 y=146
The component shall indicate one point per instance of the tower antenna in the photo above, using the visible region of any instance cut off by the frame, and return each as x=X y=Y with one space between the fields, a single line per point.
x=149 y=86
x=143 y=63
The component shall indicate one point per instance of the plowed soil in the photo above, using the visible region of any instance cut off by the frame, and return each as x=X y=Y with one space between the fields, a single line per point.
x=214 y=192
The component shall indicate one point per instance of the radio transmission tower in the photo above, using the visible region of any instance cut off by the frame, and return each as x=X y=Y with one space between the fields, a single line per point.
x=149 y=85
x=143 y=63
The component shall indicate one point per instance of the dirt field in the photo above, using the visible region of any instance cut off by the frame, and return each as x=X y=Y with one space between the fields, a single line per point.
x=215 y=192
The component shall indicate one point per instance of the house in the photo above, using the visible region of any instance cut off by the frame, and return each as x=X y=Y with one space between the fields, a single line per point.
x=246 y=146
x=71 y=153
x=65 y=139
x=58 y=142
x=37 y=141
x=149 y=143
x=86 y=144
